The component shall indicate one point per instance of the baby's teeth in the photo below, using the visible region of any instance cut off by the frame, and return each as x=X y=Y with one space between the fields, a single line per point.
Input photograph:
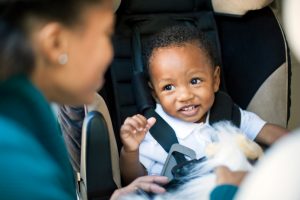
x=188 y=108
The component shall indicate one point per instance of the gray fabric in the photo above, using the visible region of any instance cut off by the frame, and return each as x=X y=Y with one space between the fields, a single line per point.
x=71 y=119
x=270 y=101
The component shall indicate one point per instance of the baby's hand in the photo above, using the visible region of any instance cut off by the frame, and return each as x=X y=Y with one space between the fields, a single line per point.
x=133 y=131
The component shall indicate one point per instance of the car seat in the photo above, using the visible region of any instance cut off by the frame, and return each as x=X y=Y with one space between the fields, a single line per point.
x=252 y=51
x=99 y=169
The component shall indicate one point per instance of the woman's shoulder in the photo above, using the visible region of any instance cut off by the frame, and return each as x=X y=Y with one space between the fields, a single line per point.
x=24 y=104
x=13 y=135
x=24 y=159
x=10 y=127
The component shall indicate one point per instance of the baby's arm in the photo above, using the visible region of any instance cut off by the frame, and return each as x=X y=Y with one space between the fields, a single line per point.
x=132 y=133
x=270 y=133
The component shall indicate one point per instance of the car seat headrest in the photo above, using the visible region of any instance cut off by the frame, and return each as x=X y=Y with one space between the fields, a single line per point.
x=232 y=7
x=238 y=7
x=116 y=4
x=156 y=6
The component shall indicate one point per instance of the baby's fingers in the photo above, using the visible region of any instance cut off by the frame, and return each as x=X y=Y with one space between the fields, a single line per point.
x=127 y=130
x=140 y=122
x=150 y=122
x=135 y=125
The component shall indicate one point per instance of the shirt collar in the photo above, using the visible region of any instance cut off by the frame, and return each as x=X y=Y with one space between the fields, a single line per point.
x=181 y=128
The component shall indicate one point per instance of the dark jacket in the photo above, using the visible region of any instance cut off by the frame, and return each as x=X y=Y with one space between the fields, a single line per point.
x=34 y=160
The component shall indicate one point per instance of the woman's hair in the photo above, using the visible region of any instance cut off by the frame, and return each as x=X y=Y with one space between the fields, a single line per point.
x=179 y=35
x=16 y=54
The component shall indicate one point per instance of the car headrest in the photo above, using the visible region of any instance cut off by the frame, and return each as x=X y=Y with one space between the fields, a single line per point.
x=156 y=6
x=231 y=7
x=238 y=7
x=116 y=4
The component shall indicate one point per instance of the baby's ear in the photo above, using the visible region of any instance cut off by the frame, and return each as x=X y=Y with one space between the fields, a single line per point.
x=217 y=79
x=150 y=85
x=250 y=148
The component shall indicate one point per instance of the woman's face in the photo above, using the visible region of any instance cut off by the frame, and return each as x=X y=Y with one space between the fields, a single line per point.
x=90 y=52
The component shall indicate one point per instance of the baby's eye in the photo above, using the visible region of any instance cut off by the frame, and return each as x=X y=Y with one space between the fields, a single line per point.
x=168 y=87
x=195 y=81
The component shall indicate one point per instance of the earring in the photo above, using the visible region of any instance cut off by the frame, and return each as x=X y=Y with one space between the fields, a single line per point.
x=63 y=59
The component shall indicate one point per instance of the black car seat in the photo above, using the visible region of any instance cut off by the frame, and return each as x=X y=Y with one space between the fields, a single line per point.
x=252 y=52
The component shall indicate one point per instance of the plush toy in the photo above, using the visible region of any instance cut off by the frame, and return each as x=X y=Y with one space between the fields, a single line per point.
x=230 y=148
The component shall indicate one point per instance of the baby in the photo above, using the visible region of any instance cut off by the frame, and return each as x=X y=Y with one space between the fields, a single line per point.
x=184 y=78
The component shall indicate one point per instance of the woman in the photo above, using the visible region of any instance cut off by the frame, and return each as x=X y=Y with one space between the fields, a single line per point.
x=50 y=51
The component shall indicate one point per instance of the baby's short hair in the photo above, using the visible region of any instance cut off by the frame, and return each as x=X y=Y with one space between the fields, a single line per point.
x=179 y=35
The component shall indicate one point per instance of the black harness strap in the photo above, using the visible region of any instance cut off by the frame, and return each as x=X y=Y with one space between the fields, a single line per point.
x=224 y=109
x=164 y=134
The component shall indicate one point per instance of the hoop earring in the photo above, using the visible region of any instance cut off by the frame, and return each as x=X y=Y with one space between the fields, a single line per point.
x=63 y=59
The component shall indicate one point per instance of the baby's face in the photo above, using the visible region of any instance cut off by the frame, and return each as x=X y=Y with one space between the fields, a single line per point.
x=183 y=81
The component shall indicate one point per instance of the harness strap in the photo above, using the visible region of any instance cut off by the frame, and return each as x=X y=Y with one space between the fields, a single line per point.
x=224 y=109
x=164 y=134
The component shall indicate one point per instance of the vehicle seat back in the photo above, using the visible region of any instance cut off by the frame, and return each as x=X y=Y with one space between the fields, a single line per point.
x=253 y=55
x=99 y=168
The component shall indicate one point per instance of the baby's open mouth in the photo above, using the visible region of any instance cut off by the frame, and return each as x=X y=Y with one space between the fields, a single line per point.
x=189 y=110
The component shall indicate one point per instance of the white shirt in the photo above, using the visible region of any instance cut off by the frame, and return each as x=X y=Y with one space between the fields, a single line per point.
x=192 y=135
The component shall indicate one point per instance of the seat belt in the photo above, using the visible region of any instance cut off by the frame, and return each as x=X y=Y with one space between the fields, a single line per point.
x=224 y=109
x=164 y=134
